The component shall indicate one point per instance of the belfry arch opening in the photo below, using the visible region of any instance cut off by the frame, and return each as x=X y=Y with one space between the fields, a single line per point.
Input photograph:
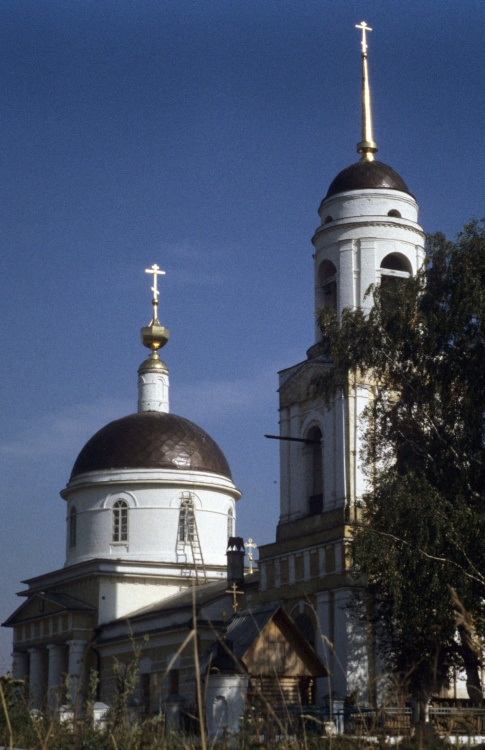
x=396 y=262
x=393 y=267
x=327 y=285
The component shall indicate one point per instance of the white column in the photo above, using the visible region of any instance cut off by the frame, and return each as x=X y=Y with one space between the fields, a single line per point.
x=368 y=276
x=20 y=665
x=55 y=685
x=37 y=676
x=346 y=275
x=77 y=651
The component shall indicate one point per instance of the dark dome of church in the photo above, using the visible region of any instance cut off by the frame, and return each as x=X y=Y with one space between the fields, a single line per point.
x=366 y=174
x=151 y=440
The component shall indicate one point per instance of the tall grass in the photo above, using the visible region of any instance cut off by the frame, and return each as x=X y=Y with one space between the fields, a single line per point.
x=262 y=726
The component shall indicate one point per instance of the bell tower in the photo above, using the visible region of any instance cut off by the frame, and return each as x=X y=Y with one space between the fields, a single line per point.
x=368 y=223
x=368 y=231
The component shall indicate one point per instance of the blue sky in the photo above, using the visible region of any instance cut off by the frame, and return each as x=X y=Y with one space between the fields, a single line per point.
x=201 y=136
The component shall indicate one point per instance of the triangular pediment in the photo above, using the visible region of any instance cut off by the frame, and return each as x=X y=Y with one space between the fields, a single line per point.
x=45 y=604
x=304 y=383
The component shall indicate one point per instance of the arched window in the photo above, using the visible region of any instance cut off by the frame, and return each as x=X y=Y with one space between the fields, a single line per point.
x=315 y=471
x=120 y=521
x=230 y=523
x=72 y=527
x=186 y=518
x=394 y=212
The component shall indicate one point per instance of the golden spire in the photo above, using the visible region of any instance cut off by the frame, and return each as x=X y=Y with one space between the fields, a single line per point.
x=367 y=147
x=154 y=336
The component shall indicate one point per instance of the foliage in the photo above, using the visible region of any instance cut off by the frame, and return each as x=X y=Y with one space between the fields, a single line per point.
x=14 y=713
x=421 y=542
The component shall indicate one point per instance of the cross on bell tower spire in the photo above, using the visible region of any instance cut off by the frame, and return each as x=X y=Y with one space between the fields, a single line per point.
x=367 y=146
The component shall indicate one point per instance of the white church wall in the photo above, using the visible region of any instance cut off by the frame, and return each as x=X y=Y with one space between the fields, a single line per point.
x=120 y=598
x=369 y=203
x=153 y=512
x=296 y=421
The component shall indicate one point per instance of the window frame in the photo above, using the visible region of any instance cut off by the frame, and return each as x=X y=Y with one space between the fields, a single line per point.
x=186 y=520
x=120 y=526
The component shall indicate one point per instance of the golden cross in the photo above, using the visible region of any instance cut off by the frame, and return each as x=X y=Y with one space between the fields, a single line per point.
x=250 y=545
x=235 y=593
x=155 y=271
x=362 y=25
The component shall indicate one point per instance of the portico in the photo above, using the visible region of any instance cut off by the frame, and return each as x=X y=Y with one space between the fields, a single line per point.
x=50 y=650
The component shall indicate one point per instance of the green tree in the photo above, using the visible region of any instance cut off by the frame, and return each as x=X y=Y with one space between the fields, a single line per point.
x=421 y=539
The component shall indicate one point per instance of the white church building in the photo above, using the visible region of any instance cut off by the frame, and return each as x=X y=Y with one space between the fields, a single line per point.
x=151 y=502
x=150 y=505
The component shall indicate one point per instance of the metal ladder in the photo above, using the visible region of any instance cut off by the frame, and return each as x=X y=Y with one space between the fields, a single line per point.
x=188 y=534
